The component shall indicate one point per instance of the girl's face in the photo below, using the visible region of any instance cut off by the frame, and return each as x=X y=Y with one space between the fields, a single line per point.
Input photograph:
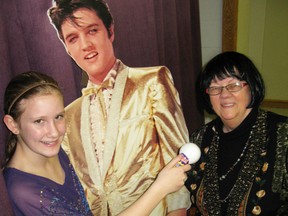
x=231 y=107
x=41 y=126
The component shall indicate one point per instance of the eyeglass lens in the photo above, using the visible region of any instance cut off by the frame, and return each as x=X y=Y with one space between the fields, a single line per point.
x=233 y=87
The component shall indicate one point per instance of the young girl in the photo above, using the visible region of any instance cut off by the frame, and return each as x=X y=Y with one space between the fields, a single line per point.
x=39 y=177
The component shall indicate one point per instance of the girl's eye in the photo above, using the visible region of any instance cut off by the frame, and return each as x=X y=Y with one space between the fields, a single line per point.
x=38 y=121
x=59 y=117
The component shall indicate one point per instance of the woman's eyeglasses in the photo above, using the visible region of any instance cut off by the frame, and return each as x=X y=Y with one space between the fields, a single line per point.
x=233 y=87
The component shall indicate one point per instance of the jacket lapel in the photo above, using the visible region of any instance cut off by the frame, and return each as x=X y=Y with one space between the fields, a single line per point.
x=113 y=118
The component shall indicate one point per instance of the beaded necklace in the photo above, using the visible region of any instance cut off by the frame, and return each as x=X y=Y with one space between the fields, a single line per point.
x=222 y=177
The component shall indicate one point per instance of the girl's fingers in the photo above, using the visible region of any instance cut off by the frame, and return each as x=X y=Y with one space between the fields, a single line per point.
x=174 y=161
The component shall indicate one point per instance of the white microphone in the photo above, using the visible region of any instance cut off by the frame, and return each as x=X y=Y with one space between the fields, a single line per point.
x=191 y=153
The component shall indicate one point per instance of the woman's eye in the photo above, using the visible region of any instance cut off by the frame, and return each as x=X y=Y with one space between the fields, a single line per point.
x=214 y=88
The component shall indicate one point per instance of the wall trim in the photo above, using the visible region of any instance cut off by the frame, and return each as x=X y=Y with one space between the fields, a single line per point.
x=271 y=103
x=229 y=25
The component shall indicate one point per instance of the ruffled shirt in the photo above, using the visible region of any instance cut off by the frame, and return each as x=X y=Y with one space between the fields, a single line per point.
x=97 y=118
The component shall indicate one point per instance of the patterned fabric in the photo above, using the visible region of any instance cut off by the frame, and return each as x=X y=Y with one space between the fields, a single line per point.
x=260 y=185
x=35 y=195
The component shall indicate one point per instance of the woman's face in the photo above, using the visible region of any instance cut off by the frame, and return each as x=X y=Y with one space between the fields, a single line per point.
x=230 y=106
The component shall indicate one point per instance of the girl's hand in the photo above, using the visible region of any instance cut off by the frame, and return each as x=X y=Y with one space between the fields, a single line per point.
x=172 y=177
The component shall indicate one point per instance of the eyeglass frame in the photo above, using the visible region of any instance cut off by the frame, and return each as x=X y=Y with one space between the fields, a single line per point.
x=240 y=84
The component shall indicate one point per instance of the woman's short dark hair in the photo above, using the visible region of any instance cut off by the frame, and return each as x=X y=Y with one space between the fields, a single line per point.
x=232 y=64
x=64 y=10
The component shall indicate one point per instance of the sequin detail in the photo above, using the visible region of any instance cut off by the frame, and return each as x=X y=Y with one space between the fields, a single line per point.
x=54 y=203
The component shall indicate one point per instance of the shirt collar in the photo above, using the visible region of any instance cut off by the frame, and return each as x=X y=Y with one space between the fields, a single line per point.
x=110 y=75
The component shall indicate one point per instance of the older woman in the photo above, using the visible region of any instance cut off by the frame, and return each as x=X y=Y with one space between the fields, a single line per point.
x=243 y=168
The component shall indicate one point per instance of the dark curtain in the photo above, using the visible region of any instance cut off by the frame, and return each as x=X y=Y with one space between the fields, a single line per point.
x=163 y=32
x=150 y=32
